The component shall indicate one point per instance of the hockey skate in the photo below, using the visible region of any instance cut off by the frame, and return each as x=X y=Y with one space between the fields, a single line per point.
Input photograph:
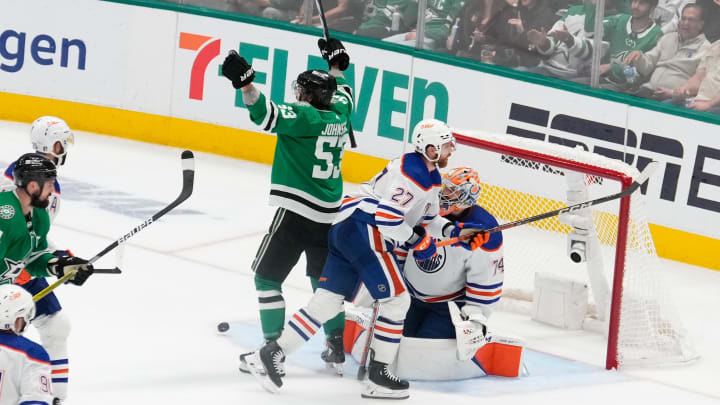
x=381 y=383
x=264 y=365
x=243 y=367
x=334 y=353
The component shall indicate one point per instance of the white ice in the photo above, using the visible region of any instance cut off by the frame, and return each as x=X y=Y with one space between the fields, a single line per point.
x=149 y=335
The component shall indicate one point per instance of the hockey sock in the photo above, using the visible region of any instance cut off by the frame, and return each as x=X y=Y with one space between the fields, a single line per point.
x=272 y=307
x=386 y=339
x=300 y=328
x=337 y=322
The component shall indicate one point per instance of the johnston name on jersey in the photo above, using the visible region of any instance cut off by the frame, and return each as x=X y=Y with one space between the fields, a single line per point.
x=306 y=175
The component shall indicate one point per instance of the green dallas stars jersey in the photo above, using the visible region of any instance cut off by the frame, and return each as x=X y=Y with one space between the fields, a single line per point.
x=20 y=247
x=306 y=175
x=617 y=31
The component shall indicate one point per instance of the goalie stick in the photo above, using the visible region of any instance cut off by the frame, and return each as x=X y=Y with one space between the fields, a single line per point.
x=637 y=182
x=188 y=172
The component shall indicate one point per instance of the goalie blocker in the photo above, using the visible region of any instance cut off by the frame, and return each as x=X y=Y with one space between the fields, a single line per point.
x=437 y=359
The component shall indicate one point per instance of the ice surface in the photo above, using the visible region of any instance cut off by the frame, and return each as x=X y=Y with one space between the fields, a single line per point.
x=149 y=335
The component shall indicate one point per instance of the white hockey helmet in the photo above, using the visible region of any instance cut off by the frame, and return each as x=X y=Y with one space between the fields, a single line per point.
x=431 y=132
x=15 y=303
x=48 y=130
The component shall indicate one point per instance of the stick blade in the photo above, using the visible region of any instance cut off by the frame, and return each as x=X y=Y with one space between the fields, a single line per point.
x=647 y=172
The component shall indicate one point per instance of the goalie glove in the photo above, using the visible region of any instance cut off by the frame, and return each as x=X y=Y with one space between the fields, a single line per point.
x=60 y=266
x=333 y=51
x=470 y=331
x=422 y=244
x=469 y=228
x=236 y=68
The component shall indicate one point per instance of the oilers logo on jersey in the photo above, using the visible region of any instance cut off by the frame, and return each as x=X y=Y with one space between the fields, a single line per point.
x=433 y=264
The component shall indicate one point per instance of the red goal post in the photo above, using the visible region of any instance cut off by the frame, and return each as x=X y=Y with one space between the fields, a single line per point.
x=616 y=228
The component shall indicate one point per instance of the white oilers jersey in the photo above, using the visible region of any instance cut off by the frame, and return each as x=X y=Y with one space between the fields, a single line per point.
x=459 y=274
x=24 y=372
x=403 y=195
x=8 y=183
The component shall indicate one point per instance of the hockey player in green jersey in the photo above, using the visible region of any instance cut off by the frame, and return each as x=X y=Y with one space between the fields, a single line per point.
x=306 y=184
x=24 y=224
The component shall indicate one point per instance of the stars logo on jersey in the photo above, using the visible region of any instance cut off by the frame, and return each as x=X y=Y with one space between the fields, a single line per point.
x=13 y=271
x=7 y=212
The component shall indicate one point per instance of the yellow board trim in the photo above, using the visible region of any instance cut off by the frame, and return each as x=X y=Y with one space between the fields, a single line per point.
x=248 y=145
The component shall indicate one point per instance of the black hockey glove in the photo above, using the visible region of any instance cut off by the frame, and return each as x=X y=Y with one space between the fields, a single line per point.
x=236 y=68
x=334 y=53
x=59 y=266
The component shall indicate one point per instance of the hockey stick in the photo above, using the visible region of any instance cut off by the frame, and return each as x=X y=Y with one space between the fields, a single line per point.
x=326 y=34
x=637 y=182
x=188 y=172
x=362 y=370
x=114 y=270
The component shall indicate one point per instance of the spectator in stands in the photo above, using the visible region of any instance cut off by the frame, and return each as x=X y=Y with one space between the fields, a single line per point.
x=508 y=32
x=625 y=33
x=439 y=18
x=341 y=15
x=674 y=59
x=711 y=11
x=567 y=56
x=379 y=18
x=285 y=10
x=469 y=20
x=702 y=91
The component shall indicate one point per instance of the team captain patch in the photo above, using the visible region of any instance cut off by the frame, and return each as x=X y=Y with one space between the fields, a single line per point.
x=7 y=212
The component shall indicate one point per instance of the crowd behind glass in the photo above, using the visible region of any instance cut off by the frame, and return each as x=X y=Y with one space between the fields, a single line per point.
x=665 y=50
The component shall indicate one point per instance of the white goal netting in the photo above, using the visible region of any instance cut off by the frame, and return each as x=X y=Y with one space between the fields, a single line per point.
x=519 y=183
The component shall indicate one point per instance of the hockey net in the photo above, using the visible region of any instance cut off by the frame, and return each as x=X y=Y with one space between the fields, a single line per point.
x=525 y=177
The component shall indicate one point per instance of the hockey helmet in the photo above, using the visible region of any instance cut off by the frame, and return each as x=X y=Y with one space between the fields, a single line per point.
x=320 y=84
x=33 y=167
x=15 y=302
x=431 y=132
x=46 y=132
x=460 y=190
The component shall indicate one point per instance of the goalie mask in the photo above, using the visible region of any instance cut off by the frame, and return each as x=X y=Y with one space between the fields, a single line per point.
x=431 y=132
x=318 y=84
x=460 y=190
x=46 y=132
x=15 y=303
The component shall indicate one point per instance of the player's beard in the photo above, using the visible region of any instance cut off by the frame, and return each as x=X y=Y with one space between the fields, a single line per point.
x=36 y=202
x=443 y=162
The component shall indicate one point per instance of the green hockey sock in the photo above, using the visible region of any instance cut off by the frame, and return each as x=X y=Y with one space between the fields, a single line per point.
x=272 y=307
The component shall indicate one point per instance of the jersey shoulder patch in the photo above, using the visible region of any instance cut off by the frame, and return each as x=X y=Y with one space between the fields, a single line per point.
x=22 y=344
x=7 y=211
x=414 y=168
